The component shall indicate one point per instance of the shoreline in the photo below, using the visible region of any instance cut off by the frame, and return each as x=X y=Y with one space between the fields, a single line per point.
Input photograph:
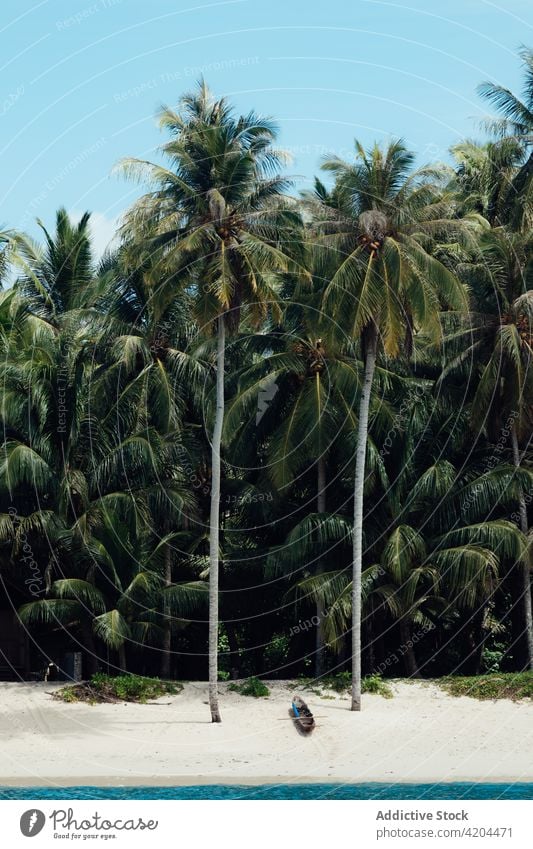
x=248 y=781
x=420 y=736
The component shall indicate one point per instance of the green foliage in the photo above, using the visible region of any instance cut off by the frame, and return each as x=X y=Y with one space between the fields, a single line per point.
x=491 y=660
x=341 y=683
x=375 y=684
x=276 y=651
x=107 y=379
x=125 y=688
x=251 y=687
x=512 y=686
x=72 y=694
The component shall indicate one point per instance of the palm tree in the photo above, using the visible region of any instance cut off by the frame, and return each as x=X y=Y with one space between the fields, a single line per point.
x=219 y=225
x=86 y=484
x=516 y=124
x=410 y=587
x=297 y=398
x=440 y=553
x=8 y=239
x=387 y=287
x=62 y=275
x=484 y=177
x=503 y=334
x=145 y=363
x=296 y=401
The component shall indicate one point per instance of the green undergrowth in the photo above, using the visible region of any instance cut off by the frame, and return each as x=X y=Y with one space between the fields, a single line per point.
x=121 y=688
x=342 y=682
x=251 y=687
x=497 y=685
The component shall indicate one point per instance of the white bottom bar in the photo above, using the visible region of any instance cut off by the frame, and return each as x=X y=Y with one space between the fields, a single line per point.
x=268 y=824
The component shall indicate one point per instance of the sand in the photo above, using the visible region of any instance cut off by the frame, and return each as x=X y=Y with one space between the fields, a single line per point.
x=421 y=735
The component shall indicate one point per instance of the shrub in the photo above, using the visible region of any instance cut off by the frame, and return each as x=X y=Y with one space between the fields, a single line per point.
x=122 y=688
x=490 y=660
x=67 y=694
x=251 y=687
x=375 y=684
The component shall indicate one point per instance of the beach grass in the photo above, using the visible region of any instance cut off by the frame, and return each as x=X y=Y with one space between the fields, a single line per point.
x=341 y=683
x=496 y=685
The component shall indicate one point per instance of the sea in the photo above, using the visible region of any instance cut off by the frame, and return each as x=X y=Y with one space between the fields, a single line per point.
x=338 y=792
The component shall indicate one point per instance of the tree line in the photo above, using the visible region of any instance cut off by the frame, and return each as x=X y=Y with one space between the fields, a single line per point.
x=272 y=433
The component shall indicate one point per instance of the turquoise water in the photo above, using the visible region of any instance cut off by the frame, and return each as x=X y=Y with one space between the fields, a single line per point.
x=280 y=791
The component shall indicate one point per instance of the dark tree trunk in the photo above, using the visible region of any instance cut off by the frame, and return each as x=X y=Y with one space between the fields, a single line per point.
x=479 y=636
x=123 y=667
x=91 y=658
x=408 y=651
x=524 y=566
x=167 y=624
x=472 y=638
x=516 y=657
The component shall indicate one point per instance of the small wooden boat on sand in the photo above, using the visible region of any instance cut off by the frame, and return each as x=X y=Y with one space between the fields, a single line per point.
x=302 y=716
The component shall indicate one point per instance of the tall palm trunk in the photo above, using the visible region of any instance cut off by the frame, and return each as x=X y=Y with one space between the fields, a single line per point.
x=214 y=526
x=524 y=567
x=370 y=342
x=321 y=508
x=167 y=625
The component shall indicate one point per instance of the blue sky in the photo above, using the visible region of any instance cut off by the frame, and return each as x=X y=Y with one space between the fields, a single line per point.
x=81 y=81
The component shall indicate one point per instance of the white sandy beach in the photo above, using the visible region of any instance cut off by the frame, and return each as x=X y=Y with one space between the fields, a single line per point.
x=421 y=734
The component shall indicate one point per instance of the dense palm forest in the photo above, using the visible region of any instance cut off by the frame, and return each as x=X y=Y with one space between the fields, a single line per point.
x=272 y=434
